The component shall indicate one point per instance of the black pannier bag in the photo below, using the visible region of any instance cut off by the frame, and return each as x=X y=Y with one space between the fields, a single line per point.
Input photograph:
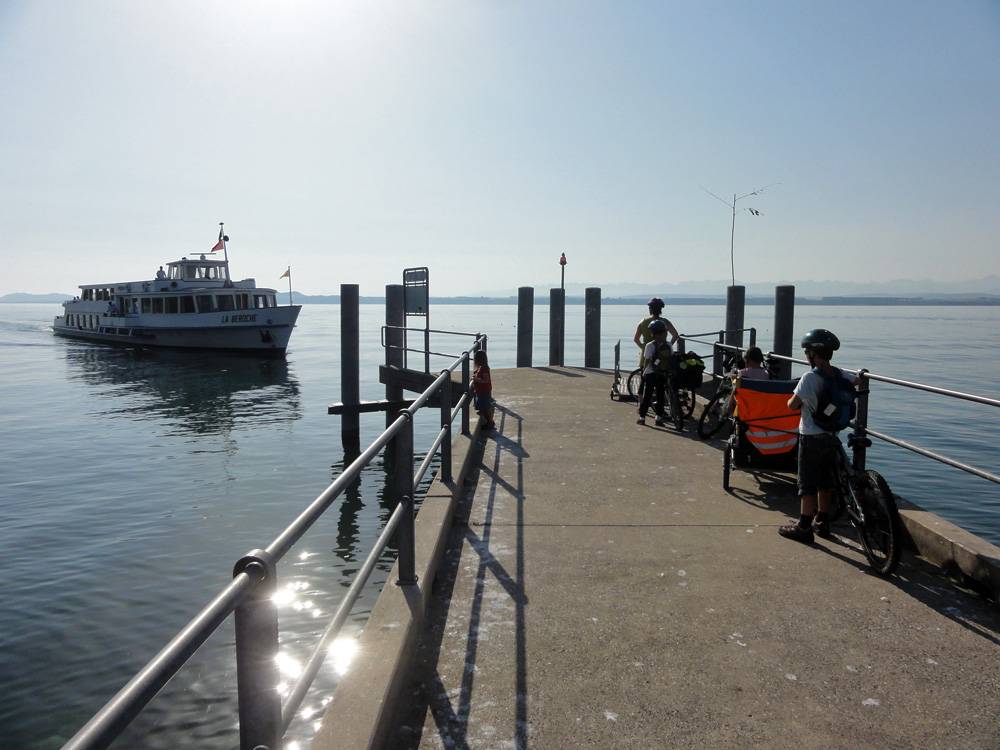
x=690 y=368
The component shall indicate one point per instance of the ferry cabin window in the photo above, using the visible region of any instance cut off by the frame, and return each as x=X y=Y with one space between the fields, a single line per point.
x=170 y=305
x=147 y=305
x=157 y=304
x=260 y=301
x=242 y=301
x=187 y=304
x=189 y=273
x=225 y=302
x=205 y=303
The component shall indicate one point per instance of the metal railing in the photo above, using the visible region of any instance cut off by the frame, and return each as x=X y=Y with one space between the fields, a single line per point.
x=717 y=358
x=389 y=346
x=263 y=718
x=862 y=430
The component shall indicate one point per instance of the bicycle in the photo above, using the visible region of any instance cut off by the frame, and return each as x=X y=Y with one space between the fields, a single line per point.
x=871 y=509
x=679 y=401
x=716 y=412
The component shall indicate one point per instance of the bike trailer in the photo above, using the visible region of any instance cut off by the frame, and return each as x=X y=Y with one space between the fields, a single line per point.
x=765 y=430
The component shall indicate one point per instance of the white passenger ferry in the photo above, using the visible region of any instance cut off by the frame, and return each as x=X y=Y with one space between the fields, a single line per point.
x=193 y=304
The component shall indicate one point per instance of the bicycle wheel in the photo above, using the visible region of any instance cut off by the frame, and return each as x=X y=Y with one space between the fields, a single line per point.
x=881 y=530
x=712 y=416
x=633 y=384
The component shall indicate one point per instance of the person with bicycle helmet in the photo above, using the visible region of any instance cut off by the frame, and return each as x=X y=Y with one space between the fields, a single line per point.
x=656 y=356
x=642 y=333
x=817 y=447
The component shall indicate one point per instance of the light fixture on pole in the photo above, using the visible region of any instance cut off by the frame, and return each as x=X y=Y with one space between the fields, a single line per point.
x=732 y=207
x=562 y=266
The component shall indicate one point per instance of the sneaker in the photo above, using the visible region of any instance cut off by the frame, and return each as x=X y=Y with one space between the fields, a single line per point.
x=796 y=532
x=641 y=420
x=660 y=421
x=822 y=528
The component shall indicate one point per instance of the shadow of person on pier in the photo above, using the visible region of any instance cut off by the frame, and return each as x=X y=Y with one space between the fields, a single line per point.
x=450 y=706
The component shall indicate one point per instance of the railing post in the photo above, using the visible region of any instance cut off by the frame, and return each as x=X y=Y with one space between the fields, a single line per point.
x=350 y=388
x=557 y=326
x=784 y=327
x=466 y=392
x=861 y=421
x=525 y=324
x=403 y=486
x=256 y=623
x=718 y=355
x=735 y=299
x=444 y=393
x=427 y=351
x=592 y=328
x=753 y=337
x=393 y=338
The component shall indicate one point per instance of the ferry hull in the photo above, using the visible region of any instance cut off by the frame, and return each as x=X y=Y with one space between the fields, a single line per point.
x=267 y=336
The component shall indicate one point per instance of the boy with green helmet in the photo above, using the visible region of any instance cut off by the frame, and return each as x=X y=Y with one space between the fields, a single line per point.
x=818 y=447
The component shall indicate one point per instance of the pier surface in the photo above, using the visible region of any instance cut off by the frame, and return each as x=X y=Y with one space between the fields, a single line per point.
x=605 y=592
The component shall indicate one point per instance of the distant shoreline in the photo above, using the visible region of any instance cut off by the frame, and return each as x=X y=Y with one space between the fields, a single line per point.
x=541 y=300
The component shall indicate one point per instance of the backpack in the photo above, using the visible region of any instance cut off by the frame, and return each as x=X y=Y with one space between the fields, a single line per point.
x=661 y=357
x=835 y=404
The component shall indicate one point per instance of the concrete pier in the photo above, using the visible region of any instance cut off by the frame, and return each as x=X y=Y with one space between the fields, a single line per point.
x=600 y=590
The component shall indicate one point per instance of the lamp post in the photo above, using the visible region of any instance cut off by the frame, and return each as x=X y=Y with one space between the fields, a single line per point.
x=732 y=231
x=562 y=267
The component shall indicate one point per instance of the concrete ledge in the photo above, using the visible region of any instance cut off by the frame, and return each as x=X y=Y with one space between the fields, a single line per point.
x=364 y=702
x=957 y=551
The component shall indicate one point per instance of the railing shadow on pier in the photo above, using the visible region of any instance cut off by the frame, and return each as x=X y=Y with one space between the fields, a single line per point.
x=451 y=719
x=265 y=713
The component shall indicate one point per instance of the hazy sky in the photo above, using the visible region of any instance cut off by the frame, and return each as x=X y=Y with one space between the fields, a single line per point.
x=351 y=139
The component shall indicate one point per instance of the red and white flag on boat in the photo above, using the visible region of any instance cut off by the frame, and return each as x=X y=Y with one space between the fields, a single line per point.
x=221 y=244
x=287 y=274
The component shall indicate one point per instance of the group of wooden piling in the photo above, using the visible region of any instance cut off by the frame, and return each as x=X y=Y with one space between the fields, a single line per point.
x=395 y=357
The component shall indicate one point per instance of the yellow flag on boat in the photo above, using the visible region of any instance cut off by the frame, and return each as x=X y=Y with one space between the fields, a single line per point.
x=286 y=274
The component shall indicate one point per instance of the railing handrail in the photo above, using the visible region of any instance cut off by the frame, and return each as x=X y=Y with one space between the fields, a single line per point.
x=430 y=330
x=108 y=723
x=863 y=429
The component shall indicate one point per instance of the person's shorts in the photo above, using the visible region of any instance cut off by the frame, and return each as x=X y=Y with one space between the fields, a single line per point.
x=817 y=463
x=483 y=401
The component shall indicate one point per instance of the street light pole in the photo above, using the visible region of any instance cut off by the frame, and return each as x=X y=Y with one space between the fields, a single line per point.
x=562 y=266
x=732 y=229
x=732 y=241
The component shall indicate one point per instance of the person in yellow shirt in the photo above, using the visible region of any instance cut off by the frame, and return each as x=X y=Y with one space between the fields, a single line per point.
x=642 y=333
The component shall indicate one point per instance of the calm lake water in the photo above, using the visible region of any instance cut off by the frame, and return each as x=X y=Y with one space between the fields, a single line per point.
x=133 y=480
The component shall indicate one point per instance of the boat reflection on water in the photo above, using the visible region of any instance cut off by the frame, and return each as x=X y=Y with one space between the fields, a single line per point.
x=203 y=394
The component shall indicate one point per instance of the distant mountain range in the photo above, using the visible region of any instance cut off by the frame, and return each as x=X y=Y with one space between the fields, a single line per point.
x=988 y=286
x=983 y=292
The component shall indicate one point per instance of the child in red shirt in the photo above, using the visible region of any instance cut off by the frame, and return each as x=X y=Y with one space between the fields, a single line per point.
x=482 y=388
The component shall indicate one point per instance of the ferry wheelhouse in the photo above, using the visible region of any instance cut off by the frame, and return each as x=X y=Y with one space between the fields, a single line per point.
x=192 y=304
